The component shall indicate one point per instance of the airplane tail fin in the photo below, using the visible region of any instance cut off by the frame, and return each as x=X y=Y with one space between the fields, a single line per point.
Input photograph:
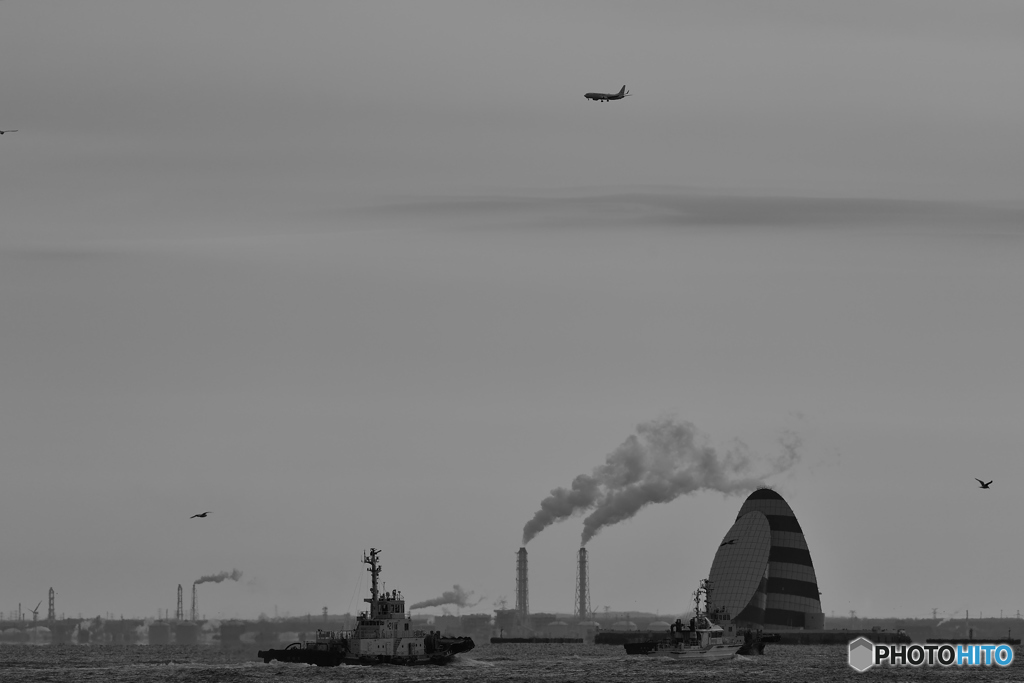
x=622 y=93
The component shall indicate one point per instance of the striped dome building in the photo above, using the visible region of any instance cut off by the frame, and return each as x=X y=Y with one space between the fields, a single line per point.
x=762 y=573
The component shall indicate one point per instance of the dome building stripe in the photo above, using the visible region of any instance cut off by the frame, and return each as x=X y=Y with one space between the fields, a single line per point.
x=788 y=539
x=790 y=555
x=784 y=523
x=798 y=572
x=804 y=589
x=785 y=618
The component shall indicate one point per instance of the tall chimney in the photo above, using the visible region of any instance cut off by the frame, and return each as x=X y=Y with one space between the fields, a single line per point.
x=179 y=613
x=194 y=615
x=582 y=587
x=522 y=589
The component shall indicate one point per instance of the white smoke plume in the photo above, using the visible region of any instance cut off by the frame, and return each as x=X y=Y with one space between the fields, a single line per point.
x=457 y=597
x=659 y=463
x=234 y=575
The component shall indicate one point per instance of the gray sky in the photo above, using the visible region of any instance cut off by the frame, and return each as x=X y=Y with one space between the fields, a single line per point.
x=376 y=274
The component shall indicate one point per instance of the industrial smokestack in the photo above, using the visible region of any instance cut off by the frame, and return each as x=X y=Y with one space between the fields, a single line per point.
x=522 y=588
x=193 y=601
x=179 y=613
x=582 y=587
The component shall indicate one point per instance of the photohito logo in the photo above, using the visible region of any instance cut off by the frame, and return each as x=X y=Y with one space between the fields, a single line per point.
x=864 y=654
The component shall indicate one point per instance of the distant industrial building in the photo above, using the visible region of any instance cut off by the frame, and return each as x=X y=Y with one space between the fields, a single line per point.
x=762 y=573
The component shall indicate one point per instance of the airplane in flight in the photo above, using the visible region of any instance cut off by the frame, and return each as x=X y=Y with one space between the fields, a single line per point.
x=8 y=131
x=605 y=96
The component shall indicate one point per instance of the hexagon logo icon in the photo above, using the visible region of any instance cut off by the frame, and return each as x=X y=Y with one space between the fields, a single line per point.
x=862 y=654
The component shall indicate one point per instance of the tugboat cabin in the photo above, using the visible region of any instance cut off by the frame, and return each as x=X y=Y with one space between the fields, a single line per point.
x=702 y=632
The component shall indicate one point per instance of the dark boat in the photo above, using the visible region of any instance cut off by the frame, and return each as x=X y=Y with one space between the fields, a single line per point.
x=754 y=642
x=383 y=635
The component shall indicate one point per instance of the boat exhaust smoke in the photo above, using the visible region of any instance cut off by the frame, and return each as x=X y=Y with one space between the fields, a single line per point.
x=457 y=596
x=661 y=462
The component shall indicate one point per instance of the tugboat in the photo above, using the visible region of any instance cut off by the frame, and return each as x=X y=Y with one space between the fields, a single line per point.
x=383 y=635
x=703 y=640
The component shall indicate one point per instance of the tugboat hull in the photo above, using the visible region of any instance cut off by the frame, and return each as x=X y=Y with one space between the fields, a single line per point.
x=301 y=655
x=667 y=648
x=319 y=656
x=717 y=652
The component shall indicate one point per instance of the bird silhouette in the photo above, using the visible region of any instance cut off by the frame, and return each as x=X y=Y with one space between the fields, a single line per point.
x=202 y=514
x=983 y=484
x=8 y=131
x=729 y=542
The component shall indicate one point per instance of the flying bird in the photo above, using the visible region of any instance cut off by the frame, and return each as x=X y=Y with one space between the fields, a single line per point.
x=729 y=542
x=983 y=484
x=202 y=514
x=8 y=131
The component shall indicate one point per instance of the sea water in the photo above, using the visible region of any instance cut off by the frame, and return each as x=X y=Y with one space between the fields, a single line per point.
x=570 y=663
